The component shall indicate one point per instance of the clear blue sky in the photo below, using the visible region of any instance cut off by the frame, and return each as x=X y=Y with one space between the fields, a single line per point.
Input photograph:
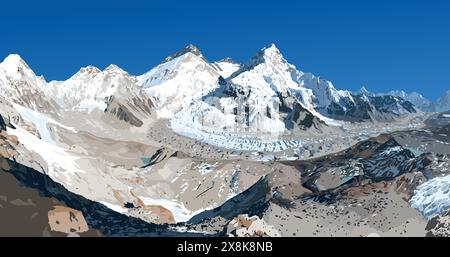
x=382 y=44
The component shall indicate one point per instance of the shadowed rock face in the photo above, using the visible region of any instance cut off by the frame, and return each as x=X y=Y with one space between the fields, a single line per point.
x=2 y=123
x=251 y=201
x=127 y=111
x=303 y=118
x=122 y=113
x=24 y=212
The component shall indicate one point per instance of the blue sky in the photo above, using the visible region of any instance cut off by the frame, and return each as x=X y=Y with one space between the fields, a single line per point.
x=381 y=44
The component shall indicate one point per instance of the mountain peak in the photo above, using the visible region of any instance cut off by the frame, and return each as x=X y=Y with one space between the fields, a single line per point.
x=188 y=49
x=89 y=70
x=114 y=68
x=13 y=58
x=14 y=61
x=363 y=90
x=227 y=60
x=271 y=47
x=269 y=54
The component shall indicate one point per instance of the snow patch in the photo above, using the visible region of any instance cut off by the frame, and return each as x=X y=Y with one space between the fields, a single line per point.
x=178 y=210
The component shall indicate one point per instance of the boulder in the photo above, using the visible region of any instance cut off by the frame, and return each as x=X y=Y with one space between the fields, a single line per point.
x=67 y=220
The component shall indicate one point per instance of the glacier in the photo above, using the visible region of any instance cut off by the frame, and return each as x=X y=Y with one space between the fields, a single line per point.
x=188 y=125
x=433 y=197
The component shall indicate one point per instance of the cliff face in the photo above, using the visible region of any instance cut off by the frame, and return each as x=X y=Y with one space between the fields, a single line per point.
x=2 y=124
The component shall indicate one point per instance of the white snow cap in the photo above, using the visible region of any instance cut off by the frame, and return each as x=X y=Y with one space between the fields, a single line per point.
x=13 y=59
x=14 y=64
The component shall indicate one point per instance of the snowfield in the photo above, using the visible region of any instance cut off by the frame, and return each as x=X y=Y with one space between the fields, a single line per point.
x=59 y=162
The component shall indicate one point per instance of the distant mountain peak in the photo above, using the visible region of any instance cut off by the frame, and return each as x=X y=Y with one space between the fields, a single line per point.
x=227 y=60
x=443 y=102
x=188 y=49
x=363 y=90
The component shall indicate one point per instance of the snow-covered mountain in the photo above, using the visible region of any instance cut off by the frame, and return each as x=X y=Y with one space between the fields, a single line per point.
x=111 y=91
x=268 y=95
x=19 y=84
x=180 y=78
x=364 y=105
x=262 y=96
x=442 y=103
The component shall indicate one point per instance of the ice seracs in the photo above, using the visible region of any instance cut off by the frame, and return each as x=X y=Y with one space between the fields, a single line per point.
x=433 y=197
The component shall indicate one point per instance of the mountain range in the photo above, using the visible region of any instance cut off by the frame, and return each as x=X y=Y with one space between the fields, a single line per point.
x=194 y=146
x=265 y=90
x=441 y=104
